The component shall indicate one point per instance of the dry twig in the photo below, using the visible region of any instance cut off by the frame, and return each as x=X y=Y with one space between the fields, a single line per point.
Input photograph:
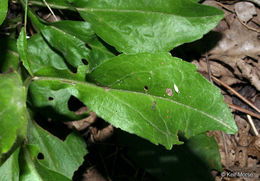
x=243 y=110
x=252 y=125
x=50 y=10
x=248 y=27
x=236 y=93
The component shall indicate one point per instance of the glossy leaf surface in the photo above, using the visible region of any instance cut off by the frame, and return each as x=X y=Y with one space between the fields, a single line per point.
x=43 y=60
x=137 y=95
x=13 y=111
x=61 y=157
x=41 y=56
x=9 y=171
x=148 y=26
x=31 y=169
x=99 y=53
x=80 y=29
x=144 y=26
x=3 y=10
x=66 y=40
x=22 y=50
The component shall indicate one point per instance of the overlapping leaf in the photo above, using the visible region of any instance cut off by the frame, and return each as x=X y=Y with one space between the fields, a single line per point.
x=61 y=157
x=148 y=26
x=31 y=169
x=206 y=148
x=9 y=57
x=152 y=95
x=142 y=26
x=99 y=53
x=3 y=10
x=68 y=38
x=167 y=164
x=44 y=61
x=22 y=49
x=9 y=171
x=41 y=56
x=139 y=95
x=13 y=114
x=58 y=161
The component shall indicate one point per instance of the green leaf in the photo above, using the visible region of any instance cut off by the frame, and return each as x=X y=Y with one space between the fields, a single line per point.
x=31 y=169
x=99 y=53
x=22 y=49
x=40 y=55
x=9 y=57
x=165 y=164
x=206 y=148
x=9 y=171
x=138 y=26
x=170 y=79
x=13 y=111
x=195 y=1
x=73 y=49
x=66 y=40
x=61 y=157
x=138 y=96
x=3 y=10
x=80 y=29
x=53 y=103
x=148 y=26
x=45 y=61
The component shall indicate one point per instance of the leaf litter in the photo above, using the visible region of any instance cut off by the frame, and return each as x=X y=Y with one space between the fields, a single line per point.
x=235 y=60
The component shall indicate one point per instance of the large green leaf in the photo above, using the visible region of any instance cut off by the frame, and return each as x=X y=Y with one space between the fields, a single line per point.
x=148 y=26
x=139 y=95
x=13 y=113
x=206 y=148
x=9 y=171
x=61 y=157
x=9 y=57
x=99 y=53
x=3 y=10
x=167 y=164
x=144 y=26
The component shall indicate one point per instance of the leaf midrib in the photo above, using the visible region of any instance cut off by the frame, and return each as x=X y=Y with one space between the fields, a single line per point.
x=116 y=10
x=68 y=81
x=139 y=11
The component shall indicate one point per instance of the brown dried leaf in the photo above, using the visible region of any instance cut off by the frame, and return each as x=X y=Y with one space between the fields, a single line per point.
x=237 y=41
x=245 y=11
